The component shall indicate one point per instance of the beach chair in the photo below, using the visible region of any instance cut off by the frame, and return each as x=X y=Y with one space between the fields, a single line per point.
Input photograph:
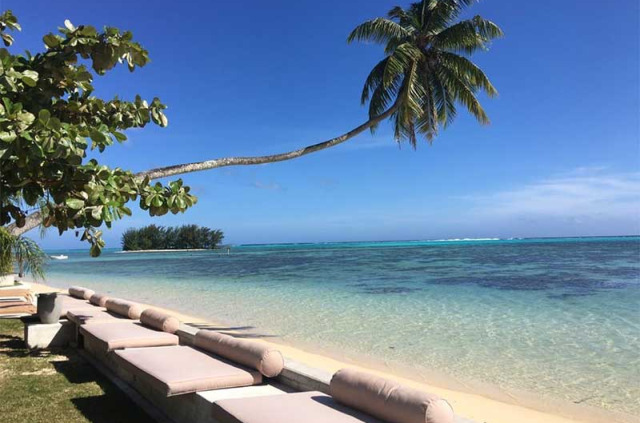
x=356 y=397
x=216 y=361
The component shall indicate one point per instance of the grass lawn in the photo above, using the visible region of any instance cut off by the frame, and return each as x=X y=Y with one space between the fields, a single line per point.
x=55 y=386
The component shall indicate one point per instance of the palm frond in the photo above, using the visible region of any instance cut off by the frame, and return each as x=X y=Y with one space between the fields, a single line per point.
x=373 y=81
x=466 y=69
x=463 y=94
x=379 y=30
x=443 y=12
x=468 y=36
x=444 y=102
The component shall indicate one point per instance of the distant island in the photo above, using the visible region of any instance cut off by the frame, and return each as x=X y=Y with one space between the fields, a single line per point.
x=185 y=237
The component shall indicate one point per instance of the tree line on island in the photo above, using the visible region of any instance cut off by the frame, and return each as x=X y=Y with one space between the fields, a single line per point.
x=183 y=237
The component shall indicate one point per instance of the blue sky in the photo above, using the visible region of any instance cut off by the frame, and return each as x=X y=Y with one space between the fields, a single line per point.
x=249 y=78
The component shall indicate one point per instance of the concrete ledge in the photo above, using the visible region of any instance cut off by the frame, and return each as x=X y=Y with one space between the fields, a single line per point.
x=39 y=335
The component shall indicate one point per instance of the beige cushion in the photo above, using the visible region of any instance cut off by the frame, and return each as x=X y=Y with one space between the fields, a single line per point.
x=300 y=407
x=126 y=334
x=80 y=316
x=124 y=308
x=388 y=400
x=180 y=369
x=99 y=299
x=80 y=292
x=69 y=303
x=267 y=361
x=159 y=320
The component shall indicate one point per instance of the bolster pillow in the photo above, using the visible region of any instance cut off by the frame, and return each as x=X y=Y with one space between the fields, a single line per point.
x=267 y=361
x=124 y=308
x=80 y=292
x=388 y=400
x=159 y=320
x=98 y=299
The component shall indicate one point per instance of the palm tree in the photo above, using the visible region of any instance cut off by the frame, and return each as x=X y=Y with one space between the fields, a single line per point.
x=418 y=84
x=29 y=257
x=24 y=251
x=424 y=73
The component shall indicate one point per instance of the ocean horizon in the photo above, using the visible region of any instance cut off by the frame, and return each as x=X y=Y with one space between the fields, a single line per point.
x=556 y=318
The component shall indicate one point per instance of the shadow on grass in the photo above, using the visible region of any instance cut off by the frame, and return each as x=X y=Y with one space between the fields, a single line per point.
x=75 y=390
x=110 y=408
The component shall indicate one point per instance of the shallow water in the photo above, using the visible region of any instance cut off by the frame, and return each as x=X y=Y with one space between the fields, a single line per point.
x=559 y=318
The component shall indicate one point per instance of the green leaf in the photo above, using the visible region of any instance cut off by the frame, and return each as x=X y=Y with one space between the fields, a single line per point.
x=119 y=136
x=8 y=136
x=51 y=41
x=74 y=203
x=44 y=116
x=30 y=77
x=98 y=137
x=29 y=81
x=96 y=213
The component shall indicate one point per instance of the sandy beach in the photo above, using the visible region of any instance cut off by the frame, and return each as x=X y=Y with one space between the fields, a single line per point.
x=485 y=408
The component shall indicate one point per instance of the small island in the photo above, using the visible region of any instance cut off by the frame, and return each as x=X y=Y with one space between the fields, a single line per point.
x=160 y=238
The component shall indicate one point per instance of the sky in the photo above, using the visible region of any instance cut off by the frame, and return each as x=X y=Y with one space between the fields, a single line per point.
x=560 y=158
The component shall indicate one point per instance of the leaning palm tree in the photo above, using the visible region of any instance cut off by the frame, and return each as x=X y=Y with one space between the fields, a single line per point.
x=425 y=73
x=418 y=84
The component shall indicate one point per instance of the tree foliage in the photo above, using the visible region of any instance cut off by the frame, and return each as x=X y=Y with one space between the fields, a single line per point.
x=6 y=252
x=425 y=72
x=154 y=237
x=49 y=119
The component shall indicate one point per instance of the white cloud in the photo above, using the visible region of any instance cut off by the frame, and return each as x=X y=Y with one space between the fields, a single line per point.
x=582 y=194
x=270 y=186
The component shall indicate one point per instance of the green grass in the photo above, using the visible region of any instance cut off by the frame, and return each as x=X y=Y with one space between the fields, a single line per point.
x=55 y=386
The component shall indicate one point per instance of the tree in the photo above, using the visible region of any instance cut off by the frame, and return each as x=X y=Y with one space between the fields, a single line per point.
x=29 y=257
x=154 y=237
x=24 y=251
x=50 y=113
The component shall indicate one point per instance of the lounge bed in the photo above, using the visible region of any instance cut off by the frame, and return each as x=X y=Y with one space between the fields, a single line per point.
x=105 y=309
x=154 y=330
x=77 y=299
x=356 y=397
x=218 y=361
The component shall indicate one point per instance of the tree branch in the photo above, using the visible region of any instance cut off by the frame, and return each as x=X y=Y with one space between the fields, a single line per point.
x=34 y=219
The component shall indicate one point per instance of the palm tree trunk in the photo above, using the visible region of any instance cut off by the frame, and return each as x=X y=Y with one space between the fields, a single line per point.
x=34 y=219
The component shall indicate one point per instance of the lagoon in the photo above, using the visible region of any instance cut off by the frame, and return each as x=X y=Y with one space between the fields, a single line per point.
x=553 y=318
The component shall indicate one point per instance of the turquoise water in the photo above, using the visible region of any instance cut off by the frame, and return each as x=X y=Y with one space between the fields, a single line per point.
x=559 y=318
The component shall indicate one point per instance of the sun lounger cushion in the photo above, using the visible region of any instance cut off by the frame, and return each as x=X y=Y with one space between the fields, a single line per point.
x=266 y=360
x=299 y=407
x=126 y=334
x=71 y=303
x=124 y=308
x=181 y=370
x=99 y=299
x=80 y=292
x=388 y=400
x=91 y=315
x=160 y=320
